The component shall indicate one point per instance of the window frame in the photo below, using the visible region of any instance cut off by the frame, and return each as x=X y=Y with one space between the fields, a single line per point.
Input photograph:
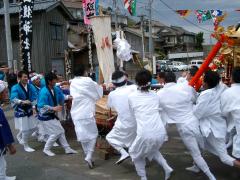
x=54 y=28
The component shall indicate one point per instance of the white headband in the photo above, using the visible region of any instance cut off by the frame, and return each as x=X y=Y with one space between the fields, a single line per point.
x=35 y=77
x=3 y=85
x=119 y=80
x=146 y=85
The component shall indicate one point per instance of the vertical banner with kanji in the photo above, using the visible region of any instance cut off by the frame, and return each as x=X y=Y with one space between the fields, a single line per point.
x=90 y=9
x=26 y=11
x=101 y=26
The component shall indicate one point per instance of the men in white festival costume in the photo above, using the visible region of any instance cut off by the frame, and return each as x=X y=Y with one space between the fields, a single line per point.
x=212 y=124
x=177 y=101
x=85 y=93
x=23 y=99
x=50 y=102
x=230 y=105
x=151 y=133
x=124 y=131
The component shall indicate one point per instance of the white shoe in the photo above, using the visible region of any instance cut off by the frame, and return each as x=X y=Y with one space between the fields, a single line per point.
x=55 y=145
x=194 y=169
x=144 y=178
x=10 y=178
x=28 y=149
x=49 y=152
x=168 y=174
x=90 y=163
x=123 y=157
x=70 y=151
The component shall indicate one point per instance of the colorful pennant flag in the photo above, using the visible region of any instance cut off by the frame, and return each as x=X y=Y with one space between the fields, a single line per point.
x=130 y=5
x=183 y=13
x=203 y=15
x=216 y=13
x=90 y=9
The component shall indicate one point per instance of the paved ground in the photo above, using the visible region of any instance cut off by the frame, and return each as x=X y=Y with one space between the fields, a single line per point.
x=37 y=166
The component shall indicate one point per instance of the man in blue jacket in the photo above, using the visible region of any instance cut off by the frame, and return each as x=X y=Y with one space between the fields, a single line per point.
x=50 y=101
x=23 y=99
x=6 y=137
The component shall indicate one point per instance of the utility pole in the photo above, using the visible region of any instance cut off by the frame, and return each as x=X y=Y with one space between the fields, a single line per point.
x=115 y=13
x=143 y=35
x=8 y=34
x=150 y=30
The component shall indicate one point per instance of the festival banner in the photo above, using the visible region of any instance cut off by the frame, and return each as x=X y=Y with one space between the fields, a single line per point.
x=216 y=13
x=101 y=26
x=184 y=13
x=130 y=5
x=203 y=15
x=26 y=11
x=90 y=9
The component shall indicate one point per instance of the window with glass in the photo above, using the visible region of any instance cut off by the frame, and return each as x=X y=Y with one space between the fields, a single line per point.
x=56 y=31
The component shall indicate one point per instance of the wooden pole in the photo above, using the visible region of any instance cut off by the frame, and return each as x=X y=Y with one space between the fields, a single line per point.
x=206 y=63
x=8 y=34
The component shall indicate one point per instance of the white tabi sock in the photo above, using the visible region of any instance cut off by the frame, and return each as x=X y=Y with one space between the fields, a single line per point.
x=27 y=148
x=25 y=136
x=48 y=152
x=201 y=163
x=210 y=175
x=161 y=161
x=124 y=156
x=193 y=168
x=47 y=148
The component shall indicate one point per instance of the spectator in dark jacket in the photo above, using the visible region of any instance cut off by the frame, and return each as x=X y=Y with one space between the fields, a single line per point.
x=6 y=137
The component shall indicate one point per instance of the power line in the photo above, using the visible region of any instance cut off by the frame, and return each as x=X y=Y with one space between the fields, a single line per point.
x=199 y=27
x=169 y=7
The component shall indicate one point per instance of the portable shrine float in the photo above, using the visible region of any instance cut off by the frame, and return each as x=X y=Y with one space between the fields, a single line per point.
x=225 y=53
x=105 y=117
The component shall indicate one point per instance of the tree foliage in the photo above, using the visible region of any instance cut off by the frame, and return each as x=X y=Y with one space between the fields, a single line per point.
x=199 y=41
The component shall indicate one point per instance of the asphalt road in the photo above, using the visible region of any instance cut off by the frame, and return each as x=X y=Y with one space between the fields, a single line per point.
x=37 y=166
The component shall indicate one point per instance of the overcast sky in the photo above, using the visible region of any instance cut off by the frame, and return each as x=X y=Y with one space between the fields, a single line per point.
x=169 y=17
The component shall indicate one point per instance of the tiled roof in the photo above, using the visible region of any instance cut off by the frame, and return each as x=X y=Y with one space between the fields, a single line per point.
x=38 y=6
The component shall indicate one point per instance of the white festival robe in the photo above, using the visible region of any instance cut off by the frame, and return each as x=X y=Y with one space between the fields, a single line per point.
x=150 y=128
x=208 y=111
x=85 y=93
x=177 y=100
x=230 y=105
x=124 y=130
x=212 y=124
